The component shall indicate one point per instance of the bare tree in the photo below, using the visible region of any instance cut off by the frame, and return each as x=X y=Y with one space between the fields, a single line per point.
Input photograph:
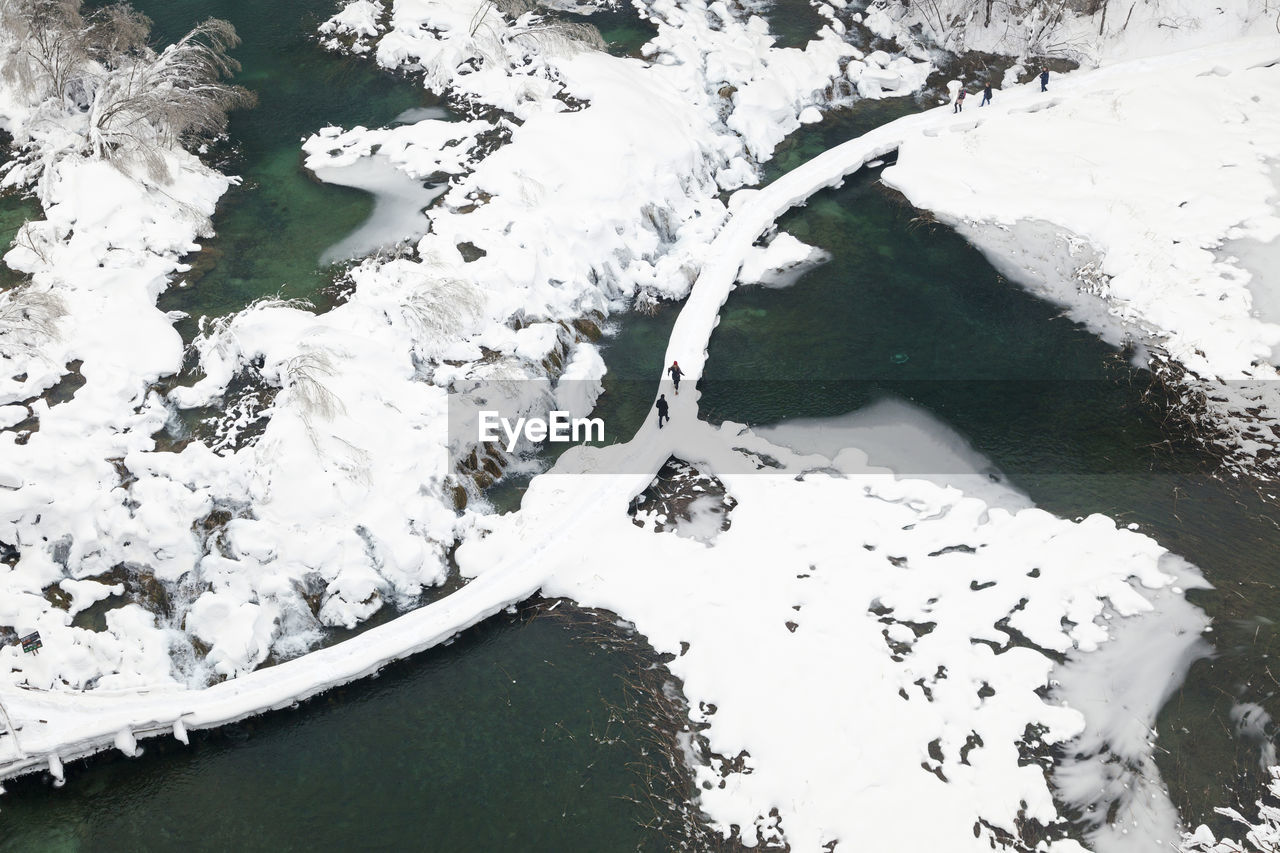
x=138 y=102
x=50 y=44
x=141 y=107
x=28 y=317
x=118 y=32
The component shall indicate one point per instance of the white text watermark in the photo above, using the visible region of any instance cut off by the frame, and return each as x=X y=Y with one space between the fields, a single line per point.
x=557 y=427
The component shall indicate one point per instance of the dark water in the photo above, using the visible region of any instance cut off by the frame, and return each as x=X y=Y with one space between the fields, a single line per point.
x=622 y=29
x=907 y=309
x=793 y=22
x=510 y=739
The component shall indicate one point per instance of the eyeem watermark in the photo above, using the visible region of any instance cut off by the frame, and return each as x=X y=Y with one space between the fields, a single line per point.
x=557 y=427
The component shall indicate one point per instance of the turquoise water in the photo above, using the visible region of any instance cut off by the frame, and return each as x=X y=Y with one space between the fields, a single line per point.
x=14 y=211
x=622 y=29
x=273 y=228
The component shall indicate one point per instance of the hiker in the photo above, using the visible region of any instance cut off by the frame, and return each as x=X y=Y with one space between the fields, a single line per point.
x=1044 y=79
x=986 y=95
x=662 y=410
x=959 y=102
x=676 y=373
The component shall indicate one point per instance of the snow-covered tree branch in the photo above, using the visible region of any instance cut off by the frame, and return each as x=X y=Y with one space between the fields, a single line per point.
x=97 y=75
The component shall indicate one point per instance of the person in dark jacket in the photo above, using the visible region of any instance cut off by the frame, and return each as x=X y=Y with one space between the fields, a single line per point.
x=959 y=102
x=986 y=95
x=676 y=373
x=662 y=410
x=1044 y=79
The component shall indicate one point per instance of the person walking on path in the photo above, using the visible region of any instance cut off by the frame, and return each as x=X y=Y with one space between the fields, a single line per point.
x=1044 y=79
x=959 y=102
x=662 y=410
x=986 y=95
x=676 y=373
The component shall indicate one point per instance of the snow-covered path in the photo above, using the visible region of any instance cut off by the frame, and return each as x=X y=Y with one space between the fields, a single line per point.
x=54 y=727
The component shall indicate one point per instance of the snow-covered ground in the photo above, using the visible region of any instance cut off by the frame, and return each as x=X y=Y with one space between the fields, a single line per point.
x=859 y=637
x=890 y=606
x=1118 y=203
x=112 y=236
x=237 y=546
x=1090 y=32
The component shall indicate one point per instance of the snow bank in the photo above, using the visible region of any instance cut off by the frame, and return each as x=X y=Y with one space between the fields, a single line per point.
x=110 y=240
x=848 y=628
x=1175 y=158
x=1093 y=34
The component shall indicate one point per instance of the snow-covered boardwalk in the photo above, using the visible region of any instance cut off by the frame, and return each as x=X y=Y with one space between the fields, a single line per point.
x=44 y=729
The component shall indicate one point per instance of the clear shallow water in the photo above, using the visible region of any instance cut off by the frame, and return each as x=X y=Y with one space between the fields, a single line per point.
x=14 y=211
x=273 y=229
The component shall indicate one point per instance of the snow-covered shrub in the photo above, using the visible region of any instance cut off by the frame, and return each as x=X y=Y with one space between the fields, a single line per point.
x=28 y=316
x=95 y=75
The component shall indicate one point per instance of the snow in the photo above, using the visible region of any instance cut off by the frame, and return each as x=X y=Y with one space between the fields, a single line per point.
x=781 y=262
x=1113 y=34
x=398 y=207
x=86 y=593
x=358 y=18
x=106 y=248
x=579 y=386
x=1151 y=174
x=1120 y=689
x=338 y=507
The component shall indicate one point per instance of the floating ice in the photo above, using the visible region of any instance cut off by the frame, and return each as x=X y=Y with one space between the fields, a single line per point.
x=398 y=205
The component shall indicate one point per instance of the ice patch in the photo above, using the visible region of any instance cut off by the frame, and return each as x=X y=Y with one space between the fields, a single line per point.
x=907 y=440
x=413 y=115
x=781 y=263
x=398 y=205
x=1109 y=771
